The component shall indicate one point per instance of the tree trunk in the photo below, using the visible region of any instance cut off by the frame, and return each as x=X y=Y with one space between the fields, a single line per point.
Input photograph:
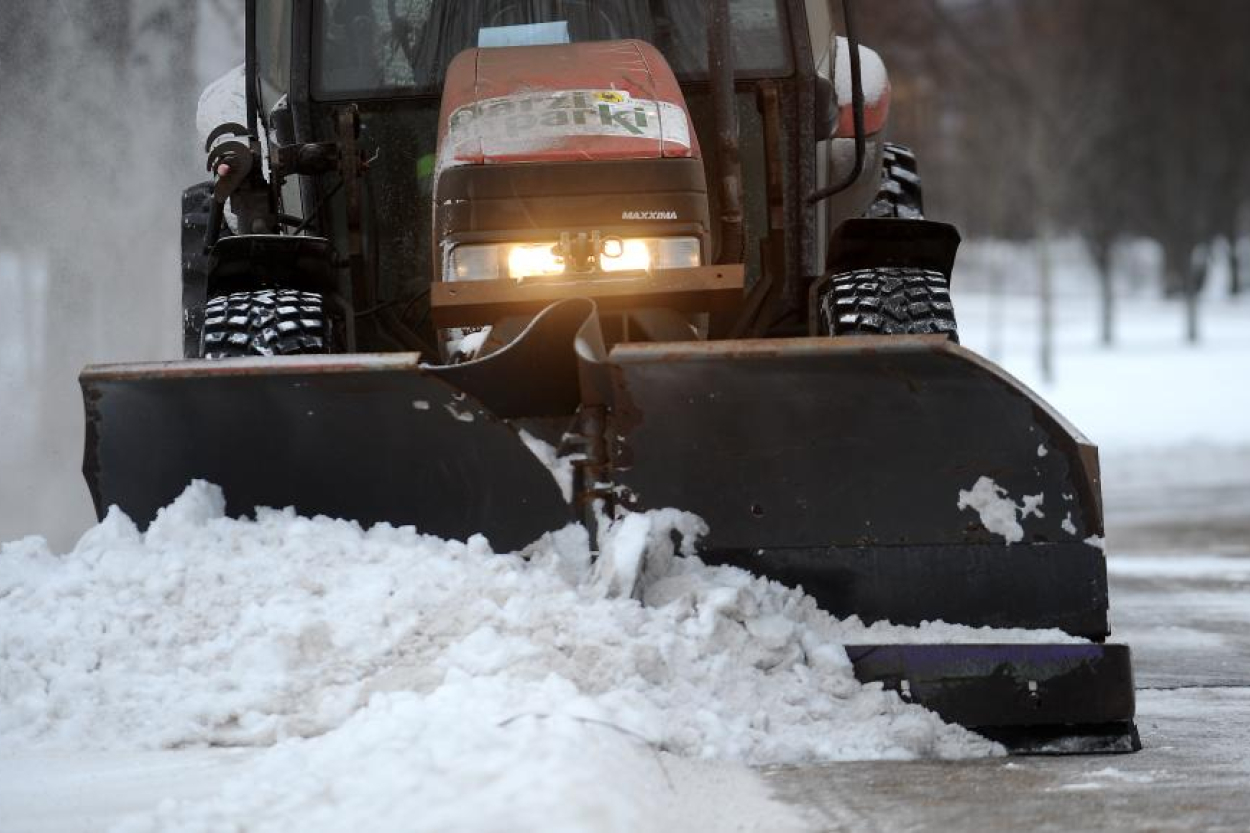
x=1046 y=304
x=1176 y=269
x=1234 y=266
x=1106 y=286
x=1195 y=277
x=1102 y=252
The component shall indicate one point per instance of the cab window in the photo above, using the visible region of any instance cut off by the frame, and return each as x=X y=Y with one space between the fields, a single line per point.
x=367 y=48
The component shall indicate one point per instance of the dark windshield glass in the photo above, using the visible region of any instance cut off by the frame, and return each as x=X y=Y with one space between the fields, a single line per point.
x=390 y=47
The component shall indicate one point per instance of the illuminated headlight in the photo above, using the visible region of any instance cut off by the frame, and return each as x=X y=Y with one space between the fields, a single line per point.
x=531 y=260
x=648 y=253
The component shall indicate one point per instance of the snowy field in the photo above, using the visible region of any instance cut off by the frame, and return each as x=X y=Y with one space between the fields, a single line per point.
x=297 y=674
x=1151 y=390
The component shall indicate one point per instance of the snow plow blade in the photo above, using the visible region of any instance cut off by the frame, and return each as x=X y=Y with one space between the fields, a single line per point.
x=366 y=437
x=1033 y=699
x=838 y=465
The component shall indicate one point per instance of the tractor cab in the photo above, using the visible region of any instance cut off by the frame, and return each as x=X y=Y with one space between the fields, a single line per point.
x=663 y=98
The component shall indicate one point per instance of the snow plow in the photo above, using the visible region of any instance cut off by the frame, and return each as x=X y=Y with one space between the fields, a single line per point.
x=488 y=267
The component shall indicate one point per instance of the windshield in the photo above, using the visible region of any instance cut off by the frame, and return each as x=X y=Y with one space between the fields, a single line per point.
x=371 y=48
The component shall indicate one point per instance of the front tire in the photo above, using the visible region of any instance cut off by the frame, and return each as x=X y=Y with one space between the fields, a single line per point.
x=898 y=300
x=889 y=301
x=267 y=322
x=901 y=196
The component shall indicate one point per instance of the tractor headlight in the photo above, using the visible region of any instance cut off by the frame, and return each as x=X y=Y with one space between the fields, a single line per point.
x=529 y=260
x=473 y=262
x=625 y=255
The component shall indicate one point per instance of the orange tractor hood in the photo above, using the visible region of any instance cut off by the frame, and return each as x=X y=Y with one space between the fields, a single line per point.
x=604 y=100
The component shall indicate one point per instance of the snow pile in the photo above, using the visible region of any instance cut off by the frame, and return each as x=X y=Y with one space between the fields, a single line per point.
x=213 y=630
x=393 y=674
x=461 y=759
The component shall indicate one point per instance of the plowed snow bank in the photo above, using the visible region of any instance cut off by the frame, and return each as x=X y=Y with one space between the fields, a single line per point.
x=397 y=675
x=212 y=630
x=425 y=669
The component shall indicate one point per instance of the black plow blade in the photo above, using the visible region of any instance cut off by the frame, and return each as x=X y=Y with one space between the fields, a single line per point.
x=365 y=437
x=837 y=465
x=1034 y=699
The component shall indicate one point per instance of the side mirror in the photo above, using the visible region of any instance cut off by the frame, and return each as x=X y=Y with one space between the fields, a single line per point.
x=826 y=110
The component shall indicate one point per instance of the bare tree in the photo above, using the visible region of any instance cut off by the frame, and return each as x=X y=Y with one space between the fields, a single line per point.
x=1100 y=201
x=1036 y=89
x=1109 y=119
x=1230 y=112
